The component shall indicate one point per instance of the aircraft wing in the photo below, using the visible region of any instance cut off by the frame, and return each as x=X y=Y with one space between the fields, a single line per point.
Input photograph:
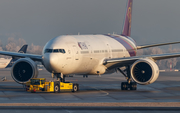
x=119 y=62
x=153 y=45
x=22 y=55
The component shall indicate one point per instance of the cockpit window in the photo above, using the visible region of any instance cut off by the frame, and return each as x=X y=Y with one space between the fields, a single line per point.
x=48 y=51
x=62 y=51
x=55 y=51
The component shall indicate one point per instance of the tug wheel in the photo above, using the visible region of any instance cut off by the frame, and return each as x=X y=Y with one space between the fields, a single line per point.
x=75 y=87
x=56 y=88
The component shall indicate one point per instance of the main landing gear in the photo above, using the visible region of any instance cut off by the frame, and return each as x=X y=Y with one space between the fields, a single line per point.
x=126 y=86
x=129 y=84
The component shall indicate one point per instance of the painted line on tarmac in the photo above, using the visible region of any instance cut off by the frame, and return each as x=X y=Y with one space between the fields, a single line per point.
x=106 y=104
x=88 y=108
x=106 y=93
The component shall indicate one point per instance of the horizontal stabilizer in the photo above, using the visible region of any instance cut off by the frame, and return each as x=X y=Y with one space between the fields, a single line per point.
x=153 y=45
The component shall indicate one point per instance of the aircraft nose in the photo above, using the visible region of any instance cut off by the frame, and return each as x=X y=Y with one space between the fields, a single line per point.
x=50 y=62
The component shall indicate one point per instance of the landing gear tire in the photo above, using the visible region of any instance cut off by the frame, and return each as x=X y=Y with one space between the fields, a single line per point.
x=75 y=87
x=126 y=86
x=56 y=88
x=133 y=86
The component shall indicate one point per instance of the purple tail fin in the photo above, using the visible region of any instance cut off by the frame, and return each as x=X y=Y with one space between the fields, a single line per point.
x=127 y=23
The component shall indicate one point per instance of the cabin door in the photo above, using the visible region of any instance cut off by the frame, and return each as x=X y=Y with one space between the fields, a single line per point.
x=75 y=52
x=109 y=51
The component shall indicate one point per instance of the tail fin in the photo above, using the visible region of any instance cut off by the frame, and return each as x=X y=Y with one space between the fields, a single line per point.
x=23 y=49
x=127 y=23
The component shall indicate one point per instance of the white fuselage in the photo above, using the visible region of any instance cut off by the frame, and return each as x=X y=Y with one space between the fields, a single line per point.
x=84 y=54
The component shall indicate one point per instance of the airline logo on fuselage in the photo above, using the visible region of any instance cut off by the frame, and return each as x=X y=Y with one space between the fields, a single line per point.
x=82 y=45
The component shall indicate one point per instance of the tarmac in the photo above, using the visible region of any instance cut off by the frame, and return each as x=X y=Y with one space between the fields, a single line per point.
x=97 y=93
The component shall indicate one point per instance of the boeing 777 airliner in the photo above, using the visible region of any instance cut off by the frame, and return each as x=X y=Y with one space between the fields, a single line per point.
x=93 y=55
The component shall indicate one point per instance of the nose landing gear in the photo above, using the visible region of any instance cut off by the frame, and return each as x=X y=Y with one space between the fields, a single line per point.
x=60 y=76
x=85 y=76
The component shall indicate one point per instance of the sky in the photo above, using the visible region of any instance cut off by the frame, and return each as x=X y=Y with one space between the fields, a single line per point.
x=38 y=21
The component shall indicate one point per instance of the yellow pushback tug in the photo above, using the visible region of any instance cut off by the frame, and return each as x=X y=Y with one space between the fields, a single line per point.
x=40 y=85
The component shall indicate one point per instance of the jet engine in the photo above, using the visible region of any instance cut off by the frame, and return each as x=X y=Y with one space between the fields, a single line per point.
x=144 y=71
x=23 y=70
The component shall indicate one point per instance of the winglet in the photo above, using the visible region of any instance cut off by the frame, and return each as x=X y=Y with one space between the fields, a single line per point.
x=23 y=49
x=127 y=23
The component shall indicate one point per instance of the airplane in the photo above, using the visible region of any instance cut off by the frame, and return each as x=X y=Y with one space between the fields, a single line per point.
x=93 y=55
x=7 y=63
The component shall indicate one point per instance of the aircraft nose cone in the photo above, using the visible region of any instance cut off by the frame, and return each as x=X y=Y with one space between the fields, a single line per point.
x=50 y=62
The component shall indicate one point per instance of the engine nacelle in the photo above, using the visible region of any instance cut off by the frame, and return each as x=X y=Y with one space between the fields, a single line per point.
x=23 y=70
x=144 y=71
